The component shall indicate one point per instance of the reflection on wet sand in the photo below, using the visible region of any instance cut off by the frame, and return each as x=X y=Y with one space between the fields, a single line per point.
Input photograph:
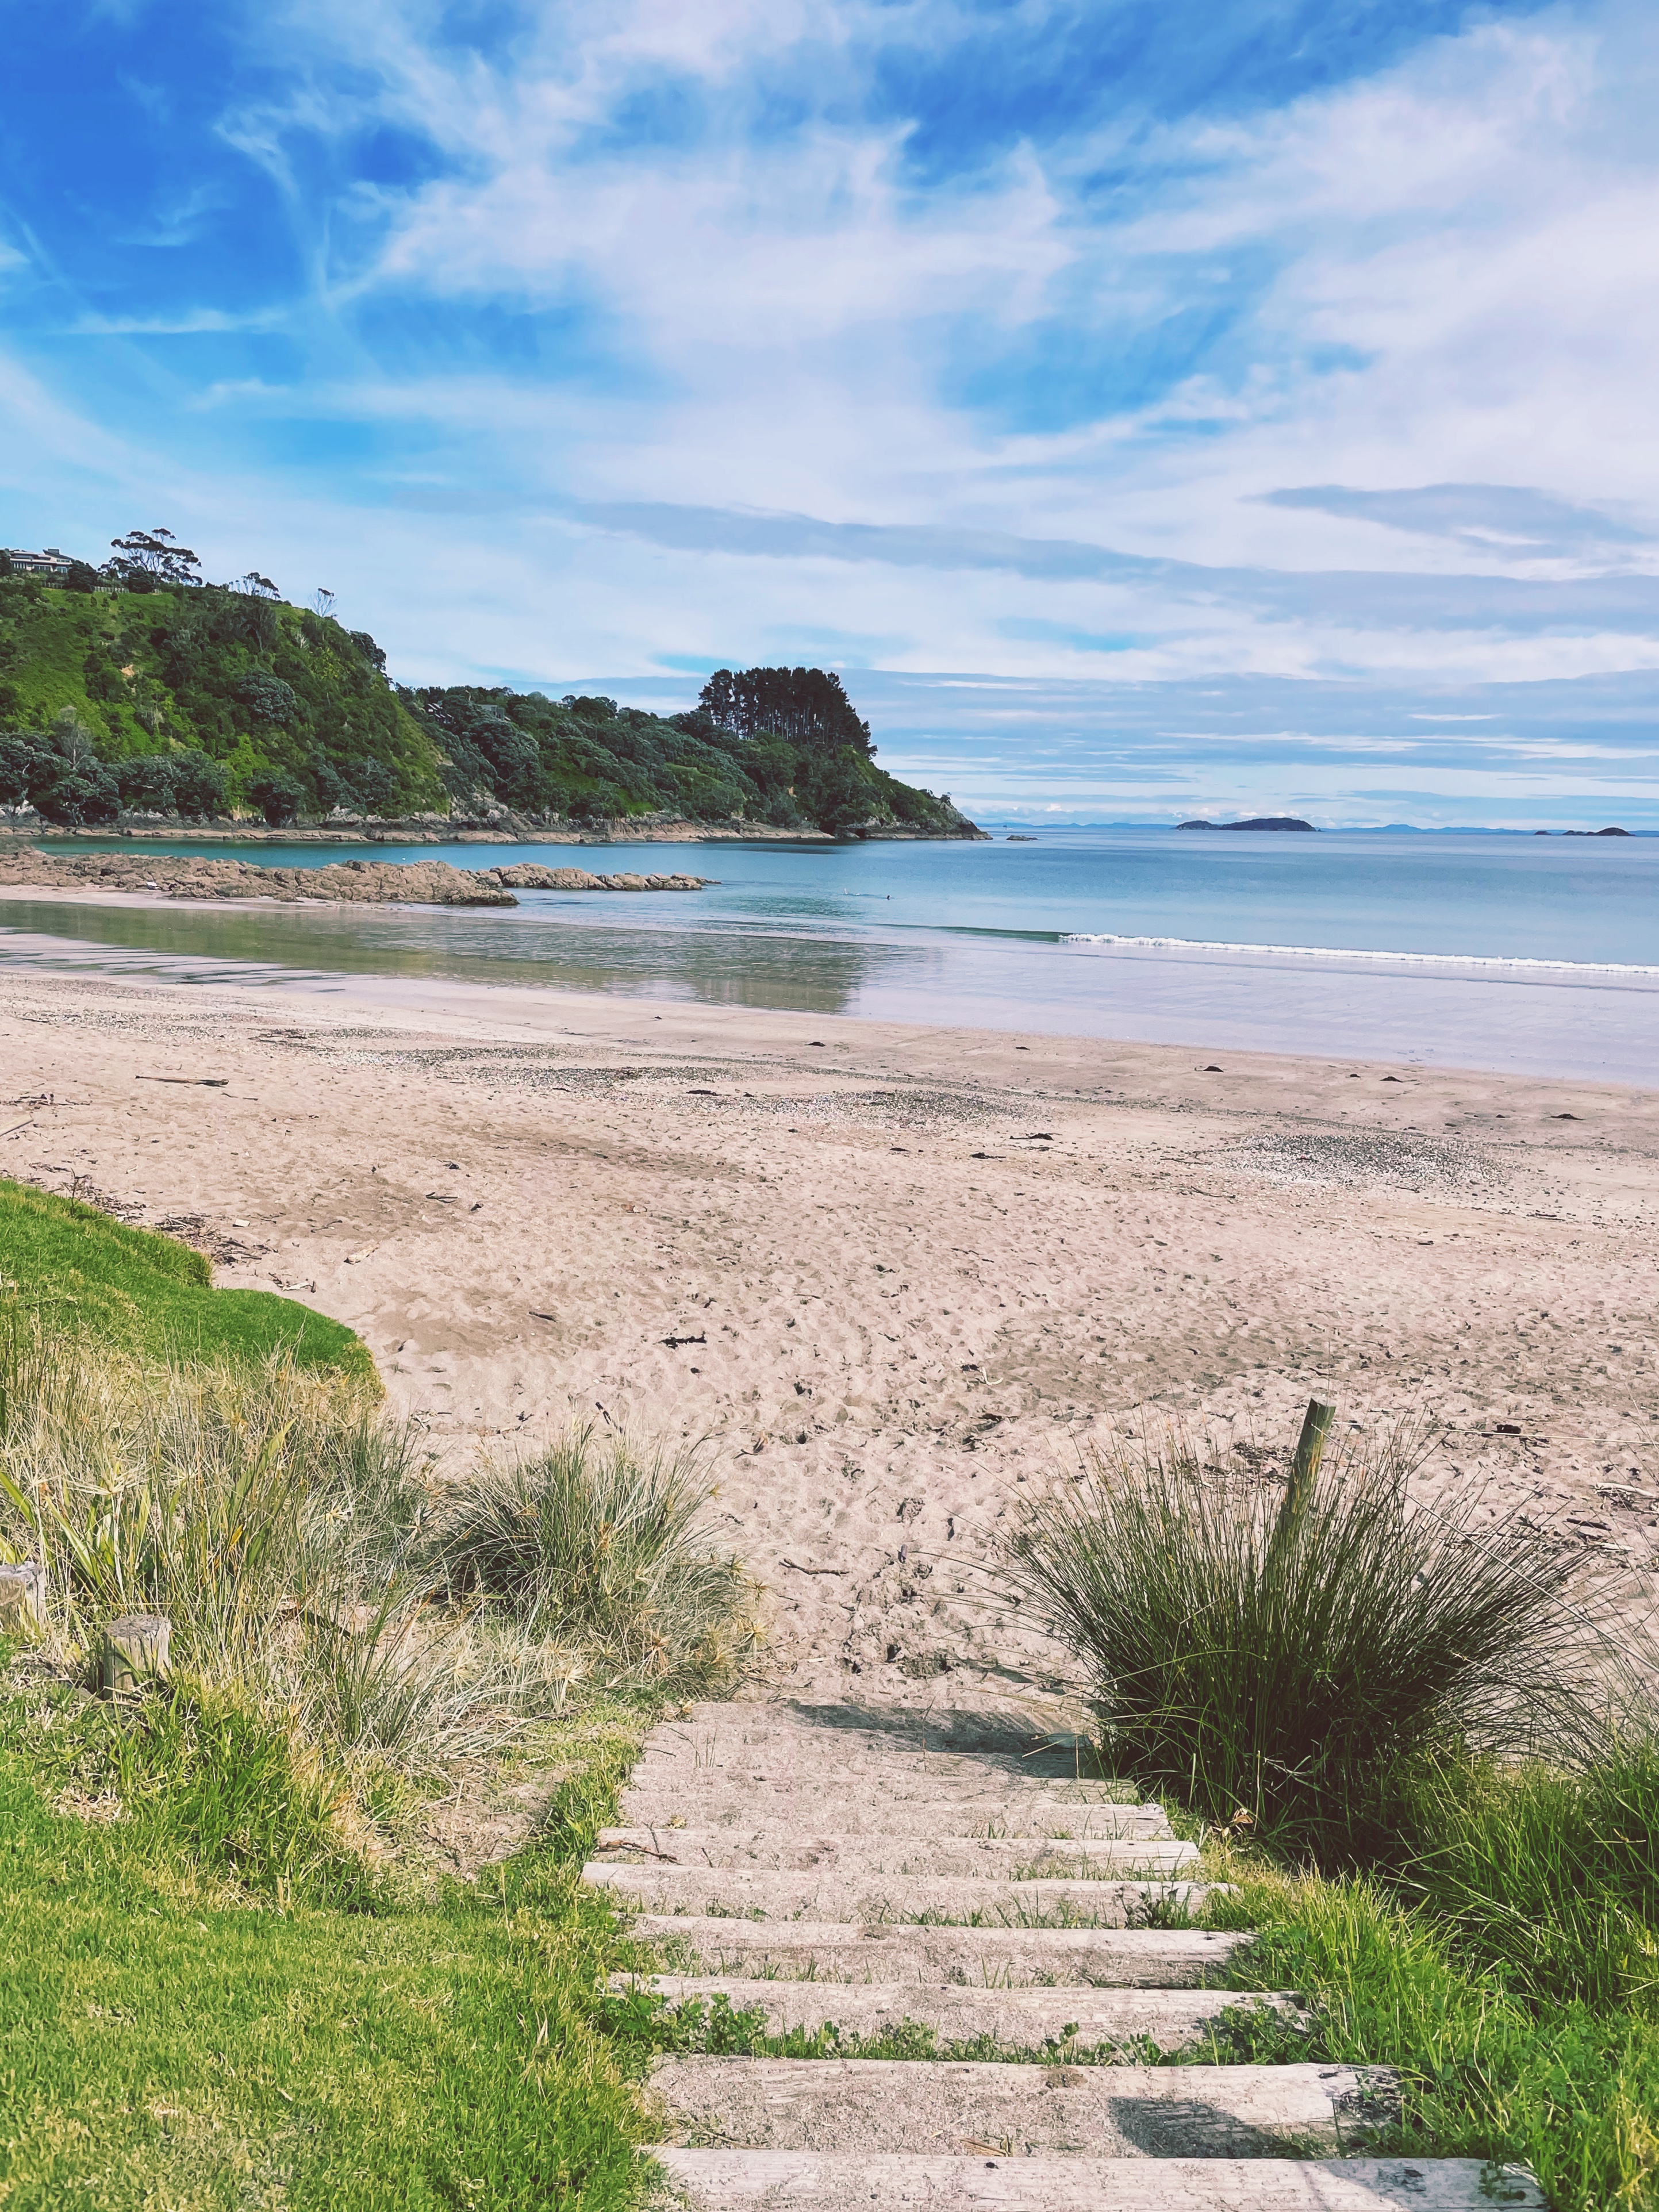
x=1548 y=1022
x=274 y=945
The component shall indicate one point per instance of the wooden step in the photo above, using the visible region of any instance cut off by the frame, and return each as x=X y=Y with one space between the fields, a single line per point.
x=1017 y=2019
x=814 y=2181
x=943 y=2108
x=983 y=1957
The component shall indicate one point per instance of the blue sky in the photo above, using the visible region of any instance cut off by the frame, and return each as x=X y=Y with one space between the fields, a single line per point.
x=1151 y=406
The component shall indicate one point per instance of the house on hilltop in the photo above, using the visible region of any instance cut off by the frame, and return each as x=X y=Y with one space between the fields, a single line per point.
x=51 y=564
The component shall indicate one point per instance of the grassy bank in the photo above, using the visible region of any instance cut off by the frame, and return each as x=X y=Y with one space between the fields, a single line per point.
x=150 y=1296
x=237 y=1966
x=175 y=2035
x=1425 y=1759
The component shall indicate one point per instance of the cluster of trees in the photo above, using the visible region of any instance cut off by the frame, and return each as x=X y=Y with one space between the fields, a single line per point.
x=806 y=707
x=173 y=694
x=58 y=772
x=585 y=758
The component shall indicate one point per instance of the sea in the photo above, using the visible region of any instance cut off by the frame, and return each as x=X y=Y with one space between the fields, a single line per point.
x=1522 y=954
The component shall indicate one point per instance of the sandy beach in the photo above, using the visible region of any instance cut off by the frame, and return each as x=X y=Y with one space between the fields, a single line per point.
x=887 y=1274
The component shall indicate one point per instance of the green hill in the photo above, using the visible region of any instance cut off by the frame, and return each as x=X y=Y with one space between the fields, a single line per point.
x=123 y=694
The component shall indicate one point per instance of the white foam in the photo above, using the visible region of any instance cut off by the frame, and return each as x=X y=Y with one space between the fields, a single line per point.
x=1440 y=960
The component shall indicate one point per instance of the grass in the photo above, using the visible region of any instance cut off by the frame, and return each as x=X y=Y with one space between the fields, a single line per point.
x=168 y=2038
x=1567 y=2086
x=233 y=1969
x=595 y=1544
x=1274 y=1669
x=149 y=1296
x=1417 y=1756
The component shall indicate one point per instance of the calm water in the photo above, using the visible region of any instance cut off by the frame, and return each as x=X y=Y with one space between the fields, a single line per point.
x=1277 y=941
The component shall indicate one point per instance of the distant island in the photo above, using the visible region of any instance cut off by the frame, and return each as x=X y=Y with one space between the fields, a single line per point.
x=138 y=696
x=1255 y=821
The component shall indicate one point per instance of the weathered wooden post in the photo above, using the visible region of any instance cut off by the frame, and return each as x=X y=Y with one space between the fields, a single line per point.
x=135 y=1652
x=1304 y=1467
x=22 y=1599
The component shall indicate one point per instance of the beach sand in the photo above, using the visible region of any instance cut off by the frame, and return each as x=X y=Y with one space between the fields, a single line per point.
x=889 y=1275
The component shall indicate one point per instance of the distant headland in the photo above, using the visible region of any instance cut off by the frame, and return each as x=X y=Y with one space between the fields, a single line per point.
x=138 y=698
x=1255 y=821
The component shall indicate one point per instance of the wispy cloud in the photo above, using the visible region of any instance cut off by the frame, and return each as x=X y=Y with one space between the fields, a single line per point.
x=1131 y=348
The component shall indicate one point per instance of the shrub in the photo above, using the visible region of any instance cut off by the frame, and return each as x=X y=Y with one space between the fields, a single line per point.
x=145 y=782
x=1284 y=1668
x=277 y=795
x=594 y=1544
x=76 y=795
x=199 y=785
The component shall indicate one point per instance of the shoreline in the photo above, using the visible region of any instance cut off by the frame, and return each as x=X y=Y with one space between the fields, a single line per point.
x=435 y=830
x=1520 y=1021
x=889 y=1273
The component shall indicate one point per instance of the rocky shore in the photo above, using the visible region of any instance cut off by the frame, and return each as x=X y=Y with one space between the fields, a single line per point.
x=348 y=882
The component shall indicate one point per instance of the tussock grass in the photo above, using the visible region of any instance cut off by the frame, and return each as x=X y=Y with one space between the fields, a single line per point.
x=597 y=1545
x=1428 y=1768
x=232 y=1971
x=284 y=1524
x=1273 y=1670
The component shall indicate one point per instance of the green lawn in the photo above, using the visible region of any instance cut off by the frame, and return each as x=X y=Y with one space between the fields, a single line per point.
x=148 y=1295
x=171 y=2038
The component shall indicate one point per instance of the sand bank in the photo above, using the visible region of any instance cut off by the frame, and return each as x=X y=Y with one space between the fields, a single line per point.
x=891 y=1273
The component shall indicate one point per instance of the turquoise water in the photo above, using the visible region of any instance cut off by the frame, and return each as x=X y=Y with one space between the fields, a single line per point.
x=1581 y=900
x=1518 y=952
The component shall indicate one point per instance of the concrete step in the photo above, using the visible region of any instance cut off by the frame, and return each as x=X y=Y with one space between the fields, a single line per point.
x=828 y=1757
x=1106 y=1902
x=788 y=1849
x=869 y=1734
x=809 y=2181
x=982 y=1957
x=1017 y=2020
x=943 y=2108
x=894 y=1807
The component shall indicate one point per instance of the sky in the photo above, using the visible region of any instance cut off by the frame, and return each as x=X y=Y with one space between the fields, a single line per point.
x=1153 y=408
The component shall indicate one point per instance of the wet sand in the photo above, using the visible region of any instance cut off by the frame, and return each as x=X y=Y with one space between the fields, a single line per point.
x=891 y=1273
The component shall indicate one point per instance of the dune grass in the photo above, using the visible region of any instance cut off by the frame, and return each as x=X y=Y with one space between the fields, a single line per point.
x=150 y=1296
x=1275 y=1669
x=1426 y=1764
x=597 y=1545
x=233 y=1970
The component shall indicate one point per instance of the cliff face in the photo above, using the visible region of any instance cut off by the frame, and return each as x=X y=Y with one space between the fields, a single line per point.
x=207 y=703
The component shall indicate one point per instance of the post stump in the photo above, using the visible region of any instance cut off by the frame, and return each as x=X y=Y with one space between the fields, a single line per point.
x=135 y=1652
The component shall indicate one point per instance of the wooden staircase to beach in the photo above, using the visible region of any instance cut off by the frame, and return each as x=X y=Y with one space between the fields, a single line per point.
x=831 y=1864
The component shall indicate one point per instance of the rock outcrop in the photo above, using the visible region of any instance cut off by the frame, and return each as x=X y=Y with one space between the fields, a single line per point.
x=343 y=882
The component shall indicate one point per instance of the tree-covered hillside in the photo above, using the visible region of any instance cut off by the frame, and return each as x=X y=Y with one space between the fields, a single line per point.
x=208 y=699
x=587 y=759
x=139 y=690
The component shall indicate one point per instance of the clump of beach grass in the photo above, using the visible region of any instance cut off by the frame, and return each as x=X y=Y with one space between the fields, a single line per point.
x=285 y=1525
x=597 y=1545
x=1430 y=1771
x=1273 y=1668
